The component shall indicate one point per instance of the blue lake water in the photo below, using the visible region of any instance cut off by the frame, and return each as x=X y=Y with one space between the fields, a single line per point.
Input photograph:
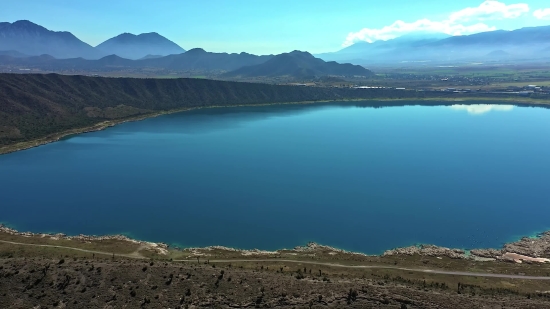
x=341 y=174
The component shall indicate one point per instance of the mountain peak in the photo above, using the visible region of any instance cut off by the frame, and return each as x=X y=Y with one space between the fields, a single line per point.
x=131 y=46
x=31 y=39
x=25 y=22
x=196 y=51
x=299 y=52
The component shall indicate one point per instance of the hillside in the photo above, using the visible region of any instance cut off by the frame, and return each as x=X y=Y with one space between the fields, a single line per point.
x=31 y=39
x=132 y=46
x=299 y=64
x=36 y=106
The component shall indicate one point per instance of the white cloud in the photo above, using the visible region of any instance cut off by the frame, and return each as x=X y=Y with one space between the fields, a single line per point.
x=478 y=109
x=465 y=21
x=490 y=10
x=542 y=14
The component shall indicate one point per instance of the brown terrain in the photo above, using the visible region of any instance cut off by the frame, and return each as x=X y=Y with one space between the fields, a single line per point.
x=56 y=271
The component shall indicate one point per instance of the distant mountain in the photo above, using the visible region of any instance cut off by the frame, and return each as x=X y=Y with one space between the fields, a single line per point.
x=132 y=46
x=192 y=60
x=150 y=57
x=525 y=43
x=519 y=37
x=199 y=59
x=299 y=64
x=364 y=50
x=12 y=53
x=498 y=54
x=31 y=39
x=295 y=64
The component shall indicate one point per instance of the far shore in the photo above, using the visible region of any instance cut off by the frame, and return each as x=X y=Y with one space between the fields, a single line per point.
x=110 y=123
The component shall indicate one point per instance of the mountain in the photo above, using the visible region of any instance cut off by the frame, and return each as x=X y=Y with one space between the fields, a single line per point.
x=498 y=54
x=31 y=39
x=193 y=60
x=296 y=64
x=12 y=53
x=524 y=43
x=150 y=57
x=519 y=37
x=379 y=49
x=199 y=59
x=132 y=46
x=299 y=64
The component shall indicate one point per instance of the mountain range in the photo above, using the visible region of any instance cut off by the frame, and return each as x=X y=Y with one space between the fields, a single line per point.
x=31 y=39
x=25 y=43
x=299 y=64
x=296 y=64
x=521 y=44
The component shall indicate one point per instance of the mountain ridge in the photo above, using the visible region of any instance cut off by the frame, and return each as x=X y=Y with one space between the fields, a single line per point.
x=131 y=46
x=194 y=59
x=520 y=43
x=299 y=64
x=31 y=39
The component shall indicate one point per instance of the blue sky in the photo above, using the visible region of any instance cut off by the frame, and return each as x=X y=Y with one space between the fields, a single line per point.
x=274 y=26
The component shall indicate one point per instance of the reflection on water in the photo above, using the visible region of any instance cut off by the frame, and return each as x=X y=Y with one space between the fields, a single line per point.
x=478 y=109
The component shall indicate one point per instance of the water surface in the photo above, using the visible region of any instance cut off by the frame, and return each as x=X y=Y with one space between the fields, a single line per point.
x=341 y=174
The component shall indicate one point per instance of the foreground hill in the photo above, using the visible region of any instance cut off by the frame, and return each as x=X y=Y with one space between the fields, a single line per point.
x=31 y=39
x=133 y=46
x=299 y=64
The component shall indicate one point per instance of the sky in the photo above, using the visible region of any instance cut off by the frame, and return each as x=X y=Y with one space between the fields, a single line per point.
x=274 y=26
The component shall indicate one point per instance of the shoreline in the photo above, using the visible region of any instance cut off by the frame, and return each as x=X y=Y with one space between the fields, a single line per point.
x=55 y=137
x=527 y=249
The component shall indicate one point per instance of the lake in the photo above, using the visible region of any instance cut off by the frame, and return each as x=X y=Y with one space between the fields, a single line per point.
x=269 y=177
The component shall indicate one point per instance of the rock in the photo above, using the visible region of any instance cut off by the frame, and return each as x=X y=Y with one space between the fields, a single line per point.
x=158 y=247
x=533 y=247
x=487 y=253
x=427 y=250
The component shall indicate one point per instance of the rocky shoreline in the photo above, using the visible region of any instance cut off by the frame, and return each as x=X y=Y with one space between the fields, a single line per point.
x=525 y=250
x=160 y=248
